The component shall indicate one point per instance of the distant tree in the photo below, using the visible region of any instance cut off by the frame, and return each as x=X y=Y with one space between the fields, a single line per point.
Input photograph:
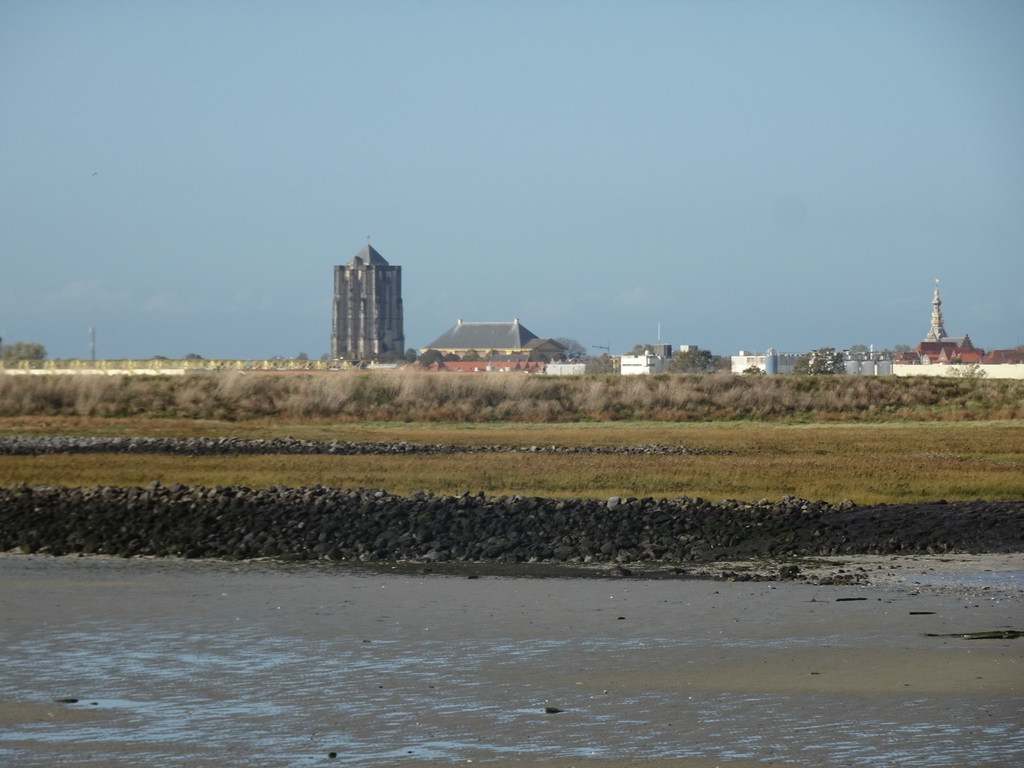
x=603 y=363
x=194 y=356
x=691 y=361
x=641 y=349
x=302 y=356
x=573 y=349
x=827 y=361
x=969 y=371
x=858 y=351
x=431 y=357
x=721 y=364
x=23 y=350
x=901 y=348
x=471 y=357
x=823 y=361
x=451 y=357
x=753 y=370
x=411 y=355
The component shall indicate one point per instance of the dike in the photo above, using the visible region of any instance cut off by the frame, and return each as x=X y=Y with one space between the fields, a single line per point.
x=367 y=525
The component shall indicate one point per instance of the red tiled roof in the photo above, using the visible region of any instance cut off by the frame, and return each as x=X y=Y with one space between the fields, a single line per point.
x=969 y=356
x=1004 y=356
x=944 y=352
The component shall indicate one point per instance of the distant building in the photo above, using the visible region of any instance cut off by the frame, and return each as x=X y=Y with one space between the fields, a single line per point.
x=1004 y=357
x=868 y=366
x=647 y=363
x=367 y=318
x=656 y=358
x=565 y=369
x=943 y=355
x=938 y=348
x=500 y=341
x=771 y=362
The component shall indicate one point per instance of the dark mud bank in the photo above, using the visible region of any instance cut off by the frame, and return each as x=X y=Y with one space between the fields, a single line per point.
x=322 y=523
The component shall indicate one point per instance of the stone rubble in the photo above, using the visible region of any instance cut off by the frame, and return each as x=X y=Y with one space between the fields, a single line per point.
x=372 y=525
x=213 y=446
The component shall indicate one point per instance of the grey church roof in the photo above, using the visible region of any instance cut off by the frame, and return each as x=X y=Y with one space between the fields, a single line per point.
x=964 y=342
x=369 y=255
x=484 y=336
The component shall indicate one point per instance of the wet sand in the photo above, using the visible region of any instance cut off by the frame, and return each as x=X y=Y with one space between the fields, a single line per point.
x=203 y=664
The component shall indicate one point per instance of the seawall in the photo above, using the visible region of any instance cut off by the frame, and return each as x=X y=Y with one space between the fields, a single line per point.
x=321 y=523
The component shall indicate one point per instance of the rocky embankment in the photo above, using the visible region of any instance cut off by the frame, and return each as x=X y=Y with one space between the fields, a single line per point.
x=223 y=446
x=372 y=525
x=322 y=523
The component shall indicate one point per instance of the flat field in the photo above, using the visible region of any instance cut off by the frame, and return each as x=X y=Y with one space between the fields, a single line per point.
x=893 y=462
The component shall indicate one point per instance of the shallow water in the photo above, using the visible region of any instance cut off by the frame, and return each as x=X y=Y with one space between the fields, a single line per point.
x=194 y=664
x=1002 y=580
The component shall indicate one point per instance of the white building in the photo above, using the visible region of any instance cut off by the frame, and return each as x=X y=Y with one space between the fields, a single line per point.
x=648 y=363
x=771 y=362
x=565 y=369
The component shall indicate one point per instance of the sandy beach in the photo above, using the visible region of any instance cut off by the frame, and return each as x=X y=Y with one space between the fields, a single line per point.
x=206 y=663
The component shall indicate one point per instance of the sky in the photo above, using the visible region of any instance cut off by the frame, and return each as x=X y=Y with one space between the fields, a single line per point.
x=183 y=176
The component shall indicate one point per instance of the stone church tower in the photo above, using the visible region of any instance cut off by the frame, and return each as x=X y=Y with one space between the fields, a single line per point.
x=367 y=318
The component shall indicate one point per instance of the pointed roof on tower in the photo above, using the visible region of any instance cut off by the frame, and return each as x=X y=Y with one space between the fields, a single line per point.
x=368 y=255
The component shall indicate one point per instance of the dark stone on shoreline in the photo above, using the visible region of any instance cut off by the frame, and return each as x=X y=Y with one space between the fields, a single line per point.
x=221 y=446
x=373 y=526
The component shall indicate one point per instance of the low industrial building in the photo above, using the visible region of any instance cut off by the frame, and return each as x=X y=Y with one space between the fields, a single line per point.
x=647 y=363
x=771 y=362
x=655 y=359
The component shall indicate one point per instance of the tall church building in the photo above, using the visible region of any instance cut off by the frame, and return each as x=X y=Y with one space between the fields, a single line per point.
x=367 y=318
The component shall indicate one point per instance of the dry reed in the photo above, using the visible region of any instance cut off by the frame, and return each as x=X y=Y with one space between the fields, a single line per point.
x=417 y=396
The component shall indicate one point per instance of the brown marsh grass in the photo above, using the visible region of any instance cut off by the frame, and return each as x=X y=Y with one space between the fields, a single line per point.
x=869 y=463
x=869 y=439
x=427 y=397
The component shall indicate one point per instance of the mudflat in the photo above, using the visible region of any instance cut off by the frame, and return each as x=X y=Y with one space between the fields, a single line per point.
x=111 y=662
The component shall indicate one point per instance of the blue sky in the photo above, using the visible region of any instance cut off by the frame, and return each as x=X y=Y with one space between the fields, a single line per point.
x=183 y=176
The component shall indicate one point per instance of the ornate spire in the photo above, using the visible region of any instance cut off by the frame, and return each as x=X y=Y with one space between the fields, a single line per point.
x=936 y=332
